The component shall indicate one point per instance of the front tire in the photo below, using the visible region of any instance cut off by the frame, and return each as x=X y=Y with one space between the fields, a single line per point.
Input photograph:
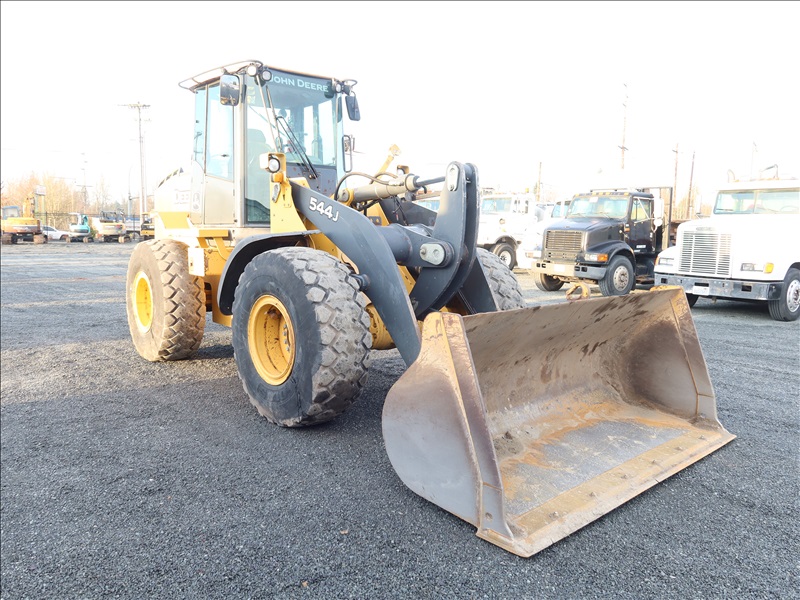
x=165 y=303
x=546 y=283
x=301 y=336
x=503 y=283
x=787 y=307
x=619 y=278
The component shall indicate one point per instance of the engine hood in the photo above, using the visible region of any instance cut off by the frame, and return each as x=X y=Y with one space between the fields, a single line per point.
x=588 y=224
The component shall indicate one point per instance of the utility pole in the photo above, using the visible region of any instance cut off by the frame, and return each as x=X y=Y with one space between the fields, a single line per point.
x=691 y=176
x=539 y=185
x=672 y=195
x=624 y=123
x=143 y=187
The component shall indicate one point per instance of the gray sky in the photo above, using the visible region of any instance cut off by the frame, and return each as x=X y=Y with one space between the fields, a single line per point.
x=503 y=85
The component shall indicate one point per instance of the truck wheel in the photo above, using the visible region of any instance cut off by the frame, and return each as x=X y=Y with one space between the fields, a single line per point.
x=506 y=253
x=301 y=336
x=503 y=283
x=546 y=283
x=787 y=307
x=619 y=277
x=166 y=305
x=691 y=299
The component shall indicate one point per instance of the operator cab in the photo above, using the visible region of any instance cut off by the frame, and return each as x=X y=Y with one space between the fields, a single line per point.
x=244 y=112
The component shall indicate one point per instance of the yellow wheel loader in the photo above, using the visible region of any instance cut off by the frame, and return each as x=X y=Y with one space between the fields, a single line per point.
x=528 y=422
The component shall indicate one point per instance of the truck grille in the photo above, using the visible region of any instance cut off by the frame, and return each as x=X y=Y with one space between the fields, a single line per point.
x=561 y=245
x=706 y=253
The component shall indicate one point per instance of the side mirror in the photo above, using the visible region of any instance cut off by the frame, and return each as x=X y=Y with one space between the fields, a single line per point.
x=230 y=90
x=352 y=108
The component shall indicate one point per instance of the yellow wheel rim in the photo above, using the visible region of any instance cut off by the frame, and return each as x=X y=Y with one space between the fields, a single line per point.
x=271 y=339
x=143 y=302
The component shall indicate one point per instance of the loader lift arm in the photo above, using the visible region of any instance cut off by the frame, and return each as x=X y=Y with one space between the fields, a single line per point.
x=444 y=254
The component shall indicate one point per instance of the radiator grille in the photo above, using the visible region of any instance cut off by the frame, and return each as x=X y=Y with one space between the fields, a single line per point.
x=560 y=245
x=706 y=253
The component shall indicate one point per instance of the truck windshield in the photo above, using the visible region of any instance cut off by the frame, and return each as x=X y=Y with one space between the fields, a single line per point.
x=748 y=202
x=493 y=205
x=614 y=207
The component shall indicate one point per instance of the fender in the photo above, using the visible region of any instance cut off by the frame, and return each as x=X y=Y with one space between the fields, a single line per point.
x=243 y=253
x=612 y=248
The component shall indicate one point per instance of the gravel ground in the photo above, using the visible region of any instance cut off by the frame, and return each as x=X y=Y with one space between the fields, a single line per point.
x=128 y=479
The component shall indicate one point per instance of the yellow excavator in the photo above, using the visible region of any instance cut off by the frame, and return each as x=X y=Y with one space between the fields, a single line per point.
x=20 y=223
x=527 y=421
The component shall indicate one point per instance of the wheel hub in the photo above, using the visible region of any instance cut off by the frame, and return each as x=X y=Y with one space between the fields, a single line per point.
x=271 y=339
x=621 y=278
x=793 y=296
x=143 y=302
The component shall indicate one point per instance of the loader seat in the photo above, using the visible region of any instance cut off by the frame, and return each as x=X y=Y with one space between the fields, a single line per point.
x=257 y=186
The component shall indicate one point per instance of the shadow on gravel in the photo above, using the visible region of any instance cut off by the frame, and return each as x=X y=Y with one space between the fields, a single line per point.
x=215 y=351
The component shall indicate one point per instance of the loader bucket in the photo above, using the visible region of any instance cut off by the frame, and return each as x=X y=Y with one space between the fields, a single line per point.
x=532 y=423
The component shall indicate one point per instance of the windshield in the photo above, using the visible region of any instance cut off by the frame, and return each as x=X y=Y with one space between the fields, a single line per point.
x=307 y=118
x=748 y=202
x=493 y=205
x=615 y=207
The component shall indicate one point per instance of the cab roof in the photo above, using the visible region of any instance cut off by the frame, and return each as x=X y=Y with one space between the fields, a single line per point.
x=214 y=74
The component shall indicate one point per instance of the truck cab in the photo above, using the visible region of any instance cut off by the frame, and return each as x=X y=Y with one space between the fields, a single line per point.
x=608 y=237
x=748 y=249
x=503 y=220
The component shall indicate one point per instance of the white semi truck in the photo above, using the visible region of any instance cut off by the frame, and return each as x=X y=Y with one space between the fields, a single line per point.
x=749 y=249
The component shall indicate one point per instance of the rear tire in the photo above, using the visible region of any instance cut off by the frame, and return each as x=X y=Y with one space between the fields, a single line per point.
x=503 y=283
x=165 y=303
x=787 y=307
x=301 y=336
x=619 y=278
x=507 y=254
x=546 y=283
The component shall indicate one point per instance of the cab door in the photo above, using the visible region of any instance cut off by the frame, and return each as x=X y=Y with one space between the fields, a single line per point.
x=213 y=189
x=640 y=236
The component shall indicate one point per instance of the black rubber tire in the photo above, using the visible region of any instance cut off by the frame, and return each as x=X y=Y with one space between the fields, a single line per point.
x=691 y=299
x=507 y=254
x=619 y=278
x=502 y=281
x=327 y=315
x=787 y=307
x=546 y=283
x=173 y=328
